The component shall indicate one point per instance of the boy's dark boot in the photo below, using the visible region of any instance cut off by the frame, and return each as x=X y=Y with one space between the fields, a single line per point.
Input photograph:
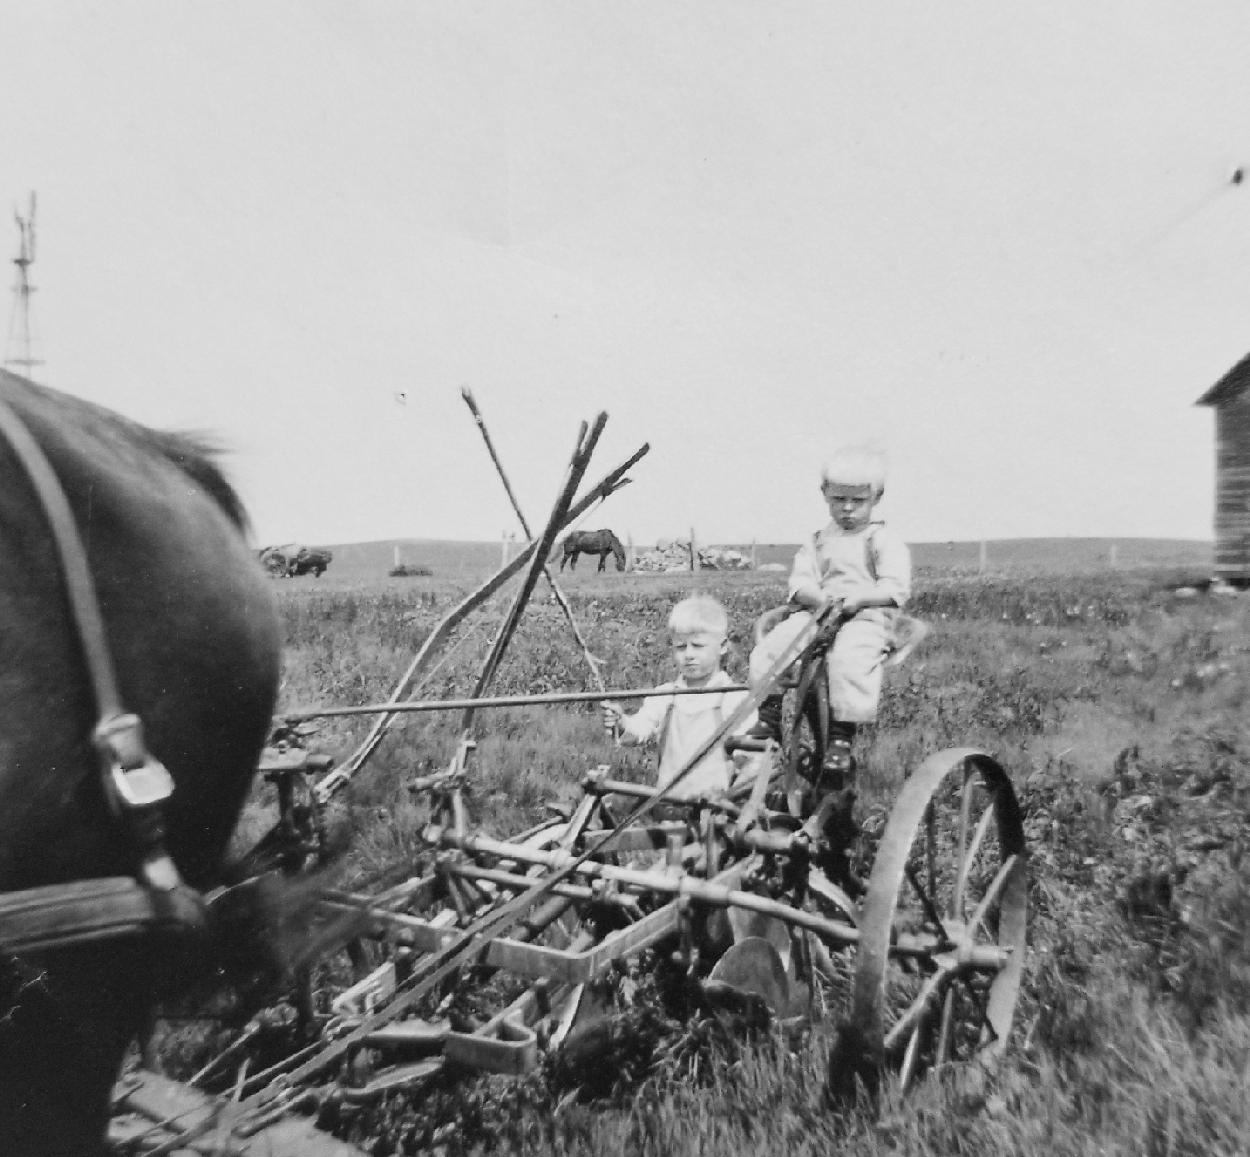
x=838 y=769
x=768 y=720
x=837 y=774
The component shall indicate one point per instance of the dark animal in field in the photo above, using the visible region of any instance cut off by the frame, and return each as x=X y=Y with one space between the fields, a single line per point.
x=293 y=559
x=600 y=542
x=310 y=561
x=193 y=632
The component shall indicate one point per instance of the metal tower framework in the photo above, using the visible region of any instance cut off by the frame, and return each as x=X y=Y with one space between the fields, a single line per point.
x=19 y=348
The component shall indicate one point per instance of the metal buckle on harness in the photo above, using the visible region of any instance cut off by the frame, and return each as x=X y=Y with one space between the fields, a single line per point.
x=135 y=779
x=136 y=785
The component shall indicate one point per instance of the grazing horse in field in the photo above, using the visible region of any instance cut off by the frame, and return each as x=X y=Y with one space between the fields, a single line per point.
x=189 y=622
x=600 y=542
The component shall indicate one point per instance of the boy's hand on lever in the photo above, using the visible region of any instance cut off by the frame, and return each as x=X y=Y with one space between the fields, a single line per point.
x=832 y=603
x=611 y=717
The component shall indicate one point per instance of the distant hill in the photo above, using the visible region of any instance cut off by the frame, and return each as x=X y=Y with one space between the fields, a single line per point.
x=1066 y=554
x=450 y=558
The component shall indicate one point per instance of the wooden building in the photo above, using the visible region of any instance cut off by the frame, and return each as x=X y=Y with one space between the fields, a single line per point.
x=1230 y=398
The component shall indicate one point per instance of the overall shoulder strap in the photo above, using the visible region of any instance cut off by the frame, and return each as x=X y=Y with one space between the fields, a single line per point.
x=870 y=549
x=662 y=735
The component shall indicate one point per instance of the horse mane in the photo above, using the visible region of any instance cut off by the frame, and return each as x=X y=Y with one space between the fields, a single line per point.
x=191 y=453
x=194 y=454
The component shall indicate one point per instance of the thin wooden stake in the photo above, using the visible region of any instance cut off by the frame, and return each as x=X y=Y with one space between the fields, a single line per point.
x=591 y=661
x=586 y=442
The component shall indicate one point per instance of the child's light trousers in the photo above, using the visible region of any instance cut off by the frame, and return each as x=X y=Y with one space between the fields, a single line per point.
x=855 y=662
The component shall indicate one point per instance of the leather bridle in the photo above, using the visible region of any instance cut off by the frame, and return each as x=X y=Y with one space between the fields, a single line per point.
x=135 y=784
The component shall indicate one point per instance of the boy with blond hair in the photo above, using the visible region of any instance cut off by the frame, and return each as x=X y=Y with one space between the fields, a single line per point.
x=680 y=724
x=857 y=563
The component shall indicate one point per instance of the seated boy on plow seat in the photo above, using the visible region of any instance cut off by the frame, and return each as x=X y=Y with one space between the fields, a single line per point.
x=856 y=562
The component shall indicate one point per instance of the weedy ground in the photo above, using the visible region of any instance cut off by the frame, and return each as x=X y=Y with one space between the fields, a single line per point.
x=1120 y=710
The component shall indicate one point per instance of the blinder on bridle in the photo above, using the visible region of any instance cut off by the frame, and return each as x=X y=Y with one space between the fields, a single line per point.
x=135 y=785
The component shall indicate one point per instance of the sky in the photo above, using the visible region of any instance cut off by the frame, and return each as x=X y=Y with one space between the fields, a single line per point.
x=1002 y=242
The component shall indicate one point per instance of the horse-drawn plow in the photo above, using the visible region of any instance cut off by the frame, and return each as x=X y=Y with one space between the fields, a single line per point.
x=761 y=906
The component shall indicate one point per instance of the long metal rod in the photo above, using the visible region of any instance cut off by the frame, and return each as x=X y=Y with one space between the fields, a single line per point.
x=702 y=891
x=417 y=706
x=986 y=957
x=591 y=661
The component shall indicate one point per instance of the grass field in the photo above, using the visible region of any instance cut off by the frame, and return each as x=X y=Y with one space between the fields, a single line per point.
x=1119 y=710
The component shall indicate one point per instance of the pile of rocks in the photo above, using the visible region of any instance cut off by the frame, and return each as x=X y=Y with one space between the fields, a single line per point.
x=723 y=558
x=672 y=555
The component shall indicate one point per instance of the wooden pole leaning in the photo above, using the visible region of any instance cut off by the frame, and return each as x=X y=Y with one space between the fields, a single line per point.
x=586 y=442
x=591 y=661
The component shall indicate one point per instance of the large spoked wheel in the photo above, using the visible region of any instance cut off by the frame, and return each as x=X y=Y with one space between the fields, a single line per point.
x=943 y=926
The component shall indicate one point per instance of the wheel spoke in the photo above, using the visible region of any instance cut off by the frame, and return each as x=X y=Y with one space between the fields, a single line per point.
x=992 y=894
x=920 y=1006
x=968 y=857
x=926 y=902
x=911 y=1058
x=983 y=1018
x=955 y=908
x=944 y=1030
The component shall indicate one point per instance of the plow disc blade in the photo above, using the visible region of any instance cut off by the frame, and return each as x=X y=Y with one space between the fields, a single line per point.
x=751 y=974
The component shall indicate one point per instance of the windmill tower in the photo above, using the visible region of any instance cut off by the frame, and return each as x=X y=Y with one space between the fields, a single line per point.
x=18 y=350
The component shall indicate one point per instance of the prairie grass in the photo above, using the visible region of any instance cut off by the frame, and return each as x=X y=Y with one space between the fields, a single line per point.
x=1120 y=712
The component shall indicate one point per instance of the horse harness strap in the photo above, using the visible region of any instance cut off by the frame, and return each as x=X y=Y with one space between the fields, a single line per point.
x=135 y=784
x=103 y=908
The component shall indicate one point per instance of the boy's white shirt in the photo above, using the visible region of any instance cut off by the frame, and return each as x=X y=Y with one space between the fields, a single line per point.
x=836 y=562
x=691 y=720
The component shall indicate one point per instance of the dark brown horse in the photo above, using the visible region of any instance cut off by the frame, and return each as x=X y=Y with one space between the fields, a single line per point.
x=192 y=629
x=600 y=542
